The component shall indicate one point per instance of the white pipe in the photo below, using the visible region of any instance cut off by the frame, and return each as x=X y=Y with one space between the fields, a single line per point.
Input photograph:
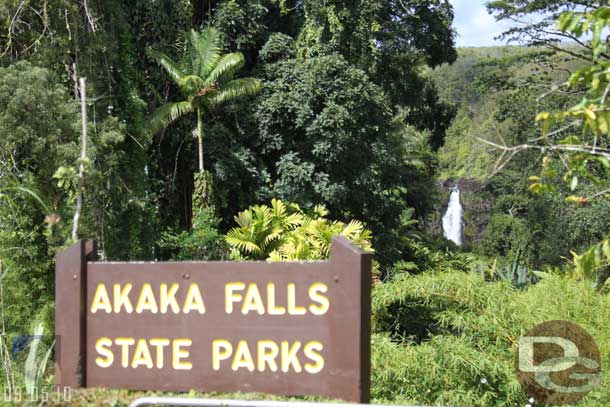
x=192 y=402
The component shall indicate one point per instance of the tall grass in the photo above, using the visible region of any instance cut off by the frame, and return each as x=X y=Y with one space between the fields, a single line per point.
x=465 y=354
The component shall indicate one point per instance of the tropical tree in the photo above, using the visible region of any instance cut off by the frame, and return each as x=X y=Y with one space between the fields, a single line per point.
x=575 y=142
x=534 y=23
x=206 y=79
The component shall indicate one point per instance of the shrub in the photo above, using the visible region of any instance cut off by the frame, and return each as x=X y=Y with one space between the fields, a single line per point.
x=283 y=232
x=202 y=242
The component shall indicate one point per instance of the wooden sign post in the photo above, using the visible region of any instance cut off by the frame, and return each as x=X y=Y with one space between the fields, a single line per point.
x=292 y=328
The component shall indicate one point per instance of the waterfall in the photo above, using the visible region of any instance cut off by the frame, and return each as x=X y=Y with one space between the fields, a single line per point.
x=452 y=221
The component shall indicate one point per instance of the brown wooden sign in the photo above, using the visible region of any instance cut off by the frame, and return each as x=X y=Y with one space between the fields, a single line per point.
x=297 y=328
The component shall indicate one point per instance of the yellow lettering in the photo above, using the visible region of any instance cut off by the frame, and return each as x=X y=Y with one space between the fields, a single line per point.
x=101 y=346
x=253 y=301
x=178 y=354
x=243 y=358
x=141 y=356
x=159 y=344
x=147 y=300
x=271 y=307
x=267 y=352
x=101 y=300
x=217 y=354
x=193 y=300
x=289 y=356
x=124 y=343
x=121 y=298
x=310 y=351
x=294 y=309
x=322 y=300
x=231 y=297
x=168 y=298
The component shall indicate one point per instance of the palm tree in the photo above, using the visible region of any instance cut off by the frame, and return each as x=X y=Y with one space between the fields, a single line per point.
x=205 y=79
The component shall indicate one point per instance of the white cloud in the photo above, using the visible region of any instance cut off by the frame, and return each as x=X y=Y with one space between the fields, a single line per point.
x=483 y=21
x=475 y=27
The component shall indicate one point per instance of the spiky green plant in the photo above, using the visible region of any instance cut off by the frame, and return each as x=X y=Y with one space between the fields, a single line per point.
x=515 y=273
x=284 y=232
x=35 y=368
x=206 y=79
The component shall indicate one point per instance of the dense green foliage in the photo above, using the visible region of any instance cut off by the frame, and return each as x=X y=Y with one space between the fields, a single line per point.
x=202 y=242
x=282 y=232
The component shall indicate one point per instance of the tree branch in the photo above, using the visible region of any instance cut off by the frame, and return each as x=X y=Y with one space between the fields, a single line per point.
x=512 y=151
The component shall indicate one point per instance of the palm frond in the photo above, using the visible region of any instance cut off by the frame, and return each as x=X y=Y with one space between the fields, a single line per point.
x=168 y=113
x=293 y=220
x=352 y=229
x=237 y=88
x=320 y=211
x=244 y=219
x=276 y=256
x=206 y=46
x=227 y=66
x=234 y=238
x=172 y=68
x=276 y=233
x=278 y=207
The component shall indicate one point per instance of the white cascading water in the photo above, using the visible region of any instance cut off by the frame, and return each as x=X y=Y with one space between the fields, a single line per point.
x=452 y=221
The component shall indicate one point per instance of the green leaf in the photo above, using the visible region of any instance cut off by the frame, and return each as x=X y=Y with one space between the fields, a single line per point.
x=604 y=161
x=25 y=191
x=574 y=183
x=606 y=248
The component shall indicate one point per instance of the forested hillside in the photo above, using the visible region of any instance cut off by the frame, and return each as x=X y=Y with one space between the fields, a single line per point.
x=258 y=129
x=498 y=92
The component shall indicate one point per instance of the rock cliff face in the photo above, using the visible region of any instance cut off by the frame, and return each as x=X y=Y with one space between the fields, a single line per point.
x=476 y=202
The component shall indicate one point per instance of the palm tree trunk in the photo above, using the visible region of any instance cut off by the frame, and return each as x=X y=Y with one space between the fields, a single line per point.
x=200 y=138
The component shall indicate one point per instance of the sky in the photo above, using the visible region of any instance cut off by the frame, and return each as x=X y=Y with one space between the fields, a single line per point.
x=474 y=26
